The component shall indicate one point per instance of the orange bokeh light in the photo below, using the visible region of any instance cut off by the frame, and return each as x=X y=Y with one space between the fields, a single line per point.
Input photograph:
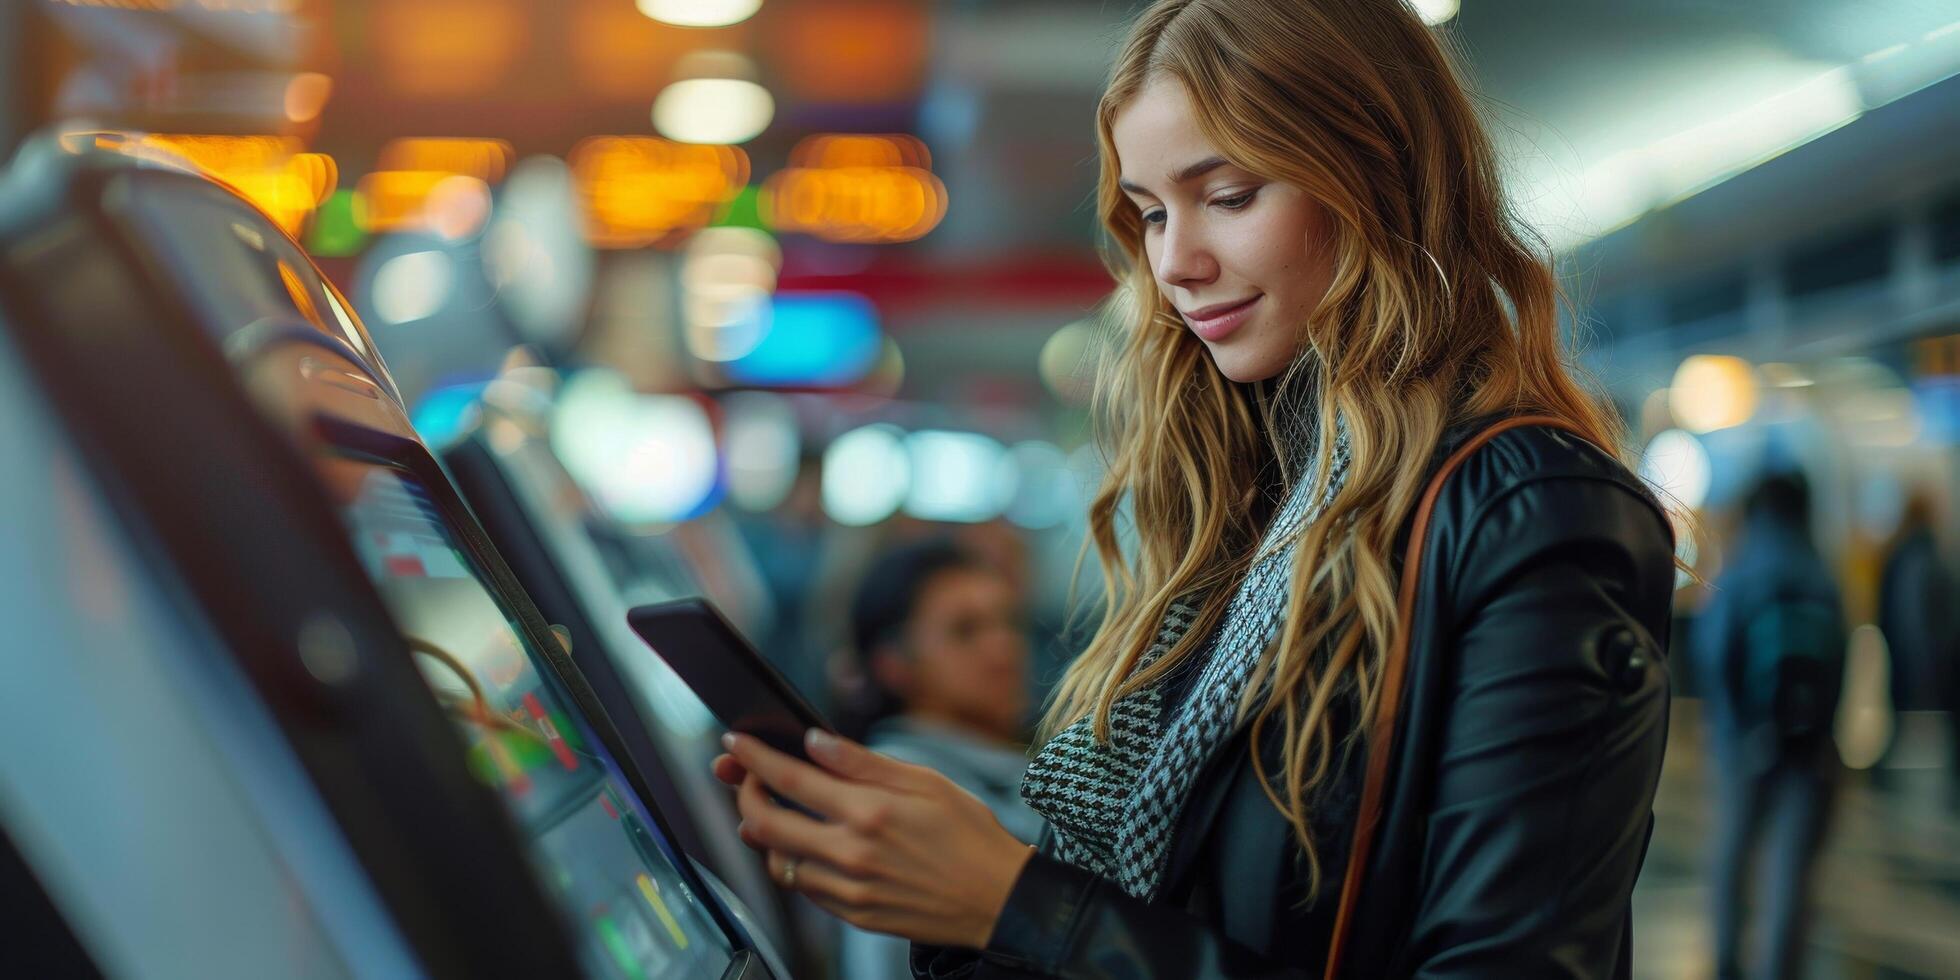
x=270 y=171
x=485 y=159
x=639 y=190
x=450 y=204
x=856 y=188
x=439 y=184
x=861 y=150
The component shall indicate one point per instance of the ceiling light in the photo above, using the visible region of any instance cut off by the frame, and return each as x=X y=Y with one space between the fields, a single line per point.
x=1434 y=12
x=713 y=110
x=699 y=13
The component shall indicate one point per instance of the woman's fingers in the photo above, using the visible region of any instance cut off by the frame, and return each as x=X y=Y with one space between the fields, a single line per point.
x=841 y=893
x=729 y=770
x=753 y=805
x=853 y=761
x=766 y=826
x=837 y=755
x=797 y=780
x=928 y=862
x=832 y=865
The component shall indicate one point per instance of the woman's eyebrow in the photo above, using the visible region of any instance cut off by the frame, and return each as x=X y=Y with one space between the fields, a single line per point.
x=1180 y=175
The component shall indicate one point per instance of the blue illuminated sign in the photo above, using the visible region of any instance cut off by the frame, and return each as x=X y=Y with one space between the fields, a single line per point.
x=814 y=339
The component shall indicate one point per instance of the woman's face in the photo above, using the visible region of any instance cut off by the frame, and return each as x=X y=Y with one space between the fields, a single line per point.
x=1243 y=260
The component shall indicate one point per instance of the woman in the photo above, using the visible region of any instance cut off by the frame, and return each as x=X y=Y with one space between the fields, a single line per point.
x=1331 y=299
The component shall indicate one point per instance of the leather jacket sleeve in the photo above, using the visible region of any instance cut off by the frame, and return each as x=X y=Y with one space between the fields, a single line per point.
x=1544 y=785
x=1061 y=921
x=1541 y=796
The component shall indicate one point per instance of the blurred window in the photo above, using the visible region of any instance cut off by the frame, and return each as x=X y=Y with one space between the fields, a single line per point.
x=1860 y=254
x=1707 y=297
x=1946 y=229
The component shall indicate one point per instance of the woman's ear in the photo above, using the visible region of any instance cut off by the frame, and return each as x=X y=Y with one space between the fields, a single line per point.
x=892 y=669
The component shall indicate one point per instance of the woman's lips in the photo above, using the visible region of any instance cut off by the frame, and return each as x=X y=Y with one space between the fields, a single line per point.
x=1219 y=322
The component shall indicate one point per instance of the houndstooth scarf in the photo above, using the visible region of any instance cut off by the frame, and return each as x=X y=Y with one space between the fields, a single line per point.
x=1114 y=805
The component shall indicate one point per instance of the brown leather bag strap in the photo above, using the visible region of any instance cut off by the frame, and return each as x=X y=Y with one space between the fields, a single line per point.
x=1388 y=707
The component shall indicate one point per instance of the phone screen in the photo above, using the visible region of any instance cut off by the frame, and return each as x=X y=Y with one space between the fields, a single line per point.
x=726 y=672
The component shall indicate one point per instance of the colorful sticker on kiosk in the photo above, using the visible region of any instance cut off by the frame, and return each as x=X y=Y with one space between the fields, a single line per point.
x=651 y=892
x=504 y=769
x=616 y=945
x=550 y=730
x=409 y=555
x=400 y=532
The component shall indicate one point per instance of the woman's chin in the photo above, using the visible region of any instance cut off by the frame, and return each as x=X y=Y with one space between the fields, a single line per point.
x=1246 y=366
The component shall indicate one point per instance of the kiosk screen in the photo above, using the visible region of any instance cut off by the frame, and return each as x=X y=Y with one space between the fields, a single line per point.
x=596 y=852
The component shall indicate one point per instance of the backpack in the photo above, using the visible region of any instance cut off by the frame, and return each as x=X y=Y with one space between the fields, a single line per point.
x=1791 y=673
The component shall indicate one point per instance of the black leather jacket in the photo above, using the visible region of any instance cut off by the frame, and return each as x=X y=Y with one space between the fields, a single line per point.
x=1519 y=804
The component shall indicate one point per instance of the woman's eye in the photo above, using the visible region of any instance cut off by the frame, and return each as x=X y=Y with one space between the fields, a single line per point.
x=1235 y=202
x=1154 y=217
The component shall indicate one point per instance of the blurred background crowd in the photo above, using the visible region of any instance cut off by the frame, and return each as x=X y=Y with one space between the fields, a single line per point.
x=804 y=297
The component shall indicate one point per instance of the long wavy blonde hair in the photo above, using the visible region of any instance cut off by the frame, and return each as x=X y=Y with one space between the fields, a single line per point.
x=1441 y=308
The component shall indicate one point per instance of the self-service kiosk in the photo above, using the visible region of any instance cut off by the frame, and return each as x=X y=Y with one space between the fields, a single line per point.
x=471 y=796
x=155 y=820
x=584 y=571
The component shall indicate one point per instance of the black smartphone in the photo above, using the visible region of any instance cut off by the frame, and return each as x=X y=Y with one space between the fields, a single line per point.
x=728 y=674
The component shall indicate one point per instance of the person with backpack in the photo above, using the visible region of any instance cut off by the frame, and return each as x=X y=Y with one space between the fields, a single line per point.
x=1769 y=649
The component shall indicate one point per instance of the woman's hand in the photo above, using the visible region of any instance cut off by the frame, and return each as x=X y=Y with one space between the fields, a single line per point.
x=902 y=849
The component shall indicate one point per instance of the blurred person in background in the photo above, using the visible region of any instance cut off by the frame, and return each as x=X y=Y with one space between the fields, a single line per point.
x=1922 y=633
x=1769 y=649
x=1915 y=609
x=1003 y=548
x=1332 y=299
x=940 y=635
x=1007 y=549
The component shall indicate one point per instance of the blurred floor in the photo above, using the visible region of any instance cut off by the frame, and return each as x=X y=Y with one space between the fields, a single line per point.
x=1887 y=895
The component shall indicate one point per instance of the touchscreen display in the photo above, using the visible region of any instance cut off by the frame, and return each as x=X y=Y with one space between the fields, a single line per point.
x=594 y=848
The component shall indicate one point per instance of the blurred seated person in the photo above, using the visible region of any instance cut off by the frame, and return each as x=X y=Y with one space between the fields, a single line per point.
x=941 y=644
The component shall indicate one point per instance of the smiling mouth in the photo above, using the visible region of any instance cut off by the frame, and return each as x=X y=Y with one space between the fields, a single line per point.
x=1215 y=322
x=1214 y=312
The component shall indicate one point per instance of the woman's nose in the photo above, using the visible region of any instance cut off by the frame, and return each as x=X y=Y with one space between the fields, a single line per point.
x=1183 y=258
